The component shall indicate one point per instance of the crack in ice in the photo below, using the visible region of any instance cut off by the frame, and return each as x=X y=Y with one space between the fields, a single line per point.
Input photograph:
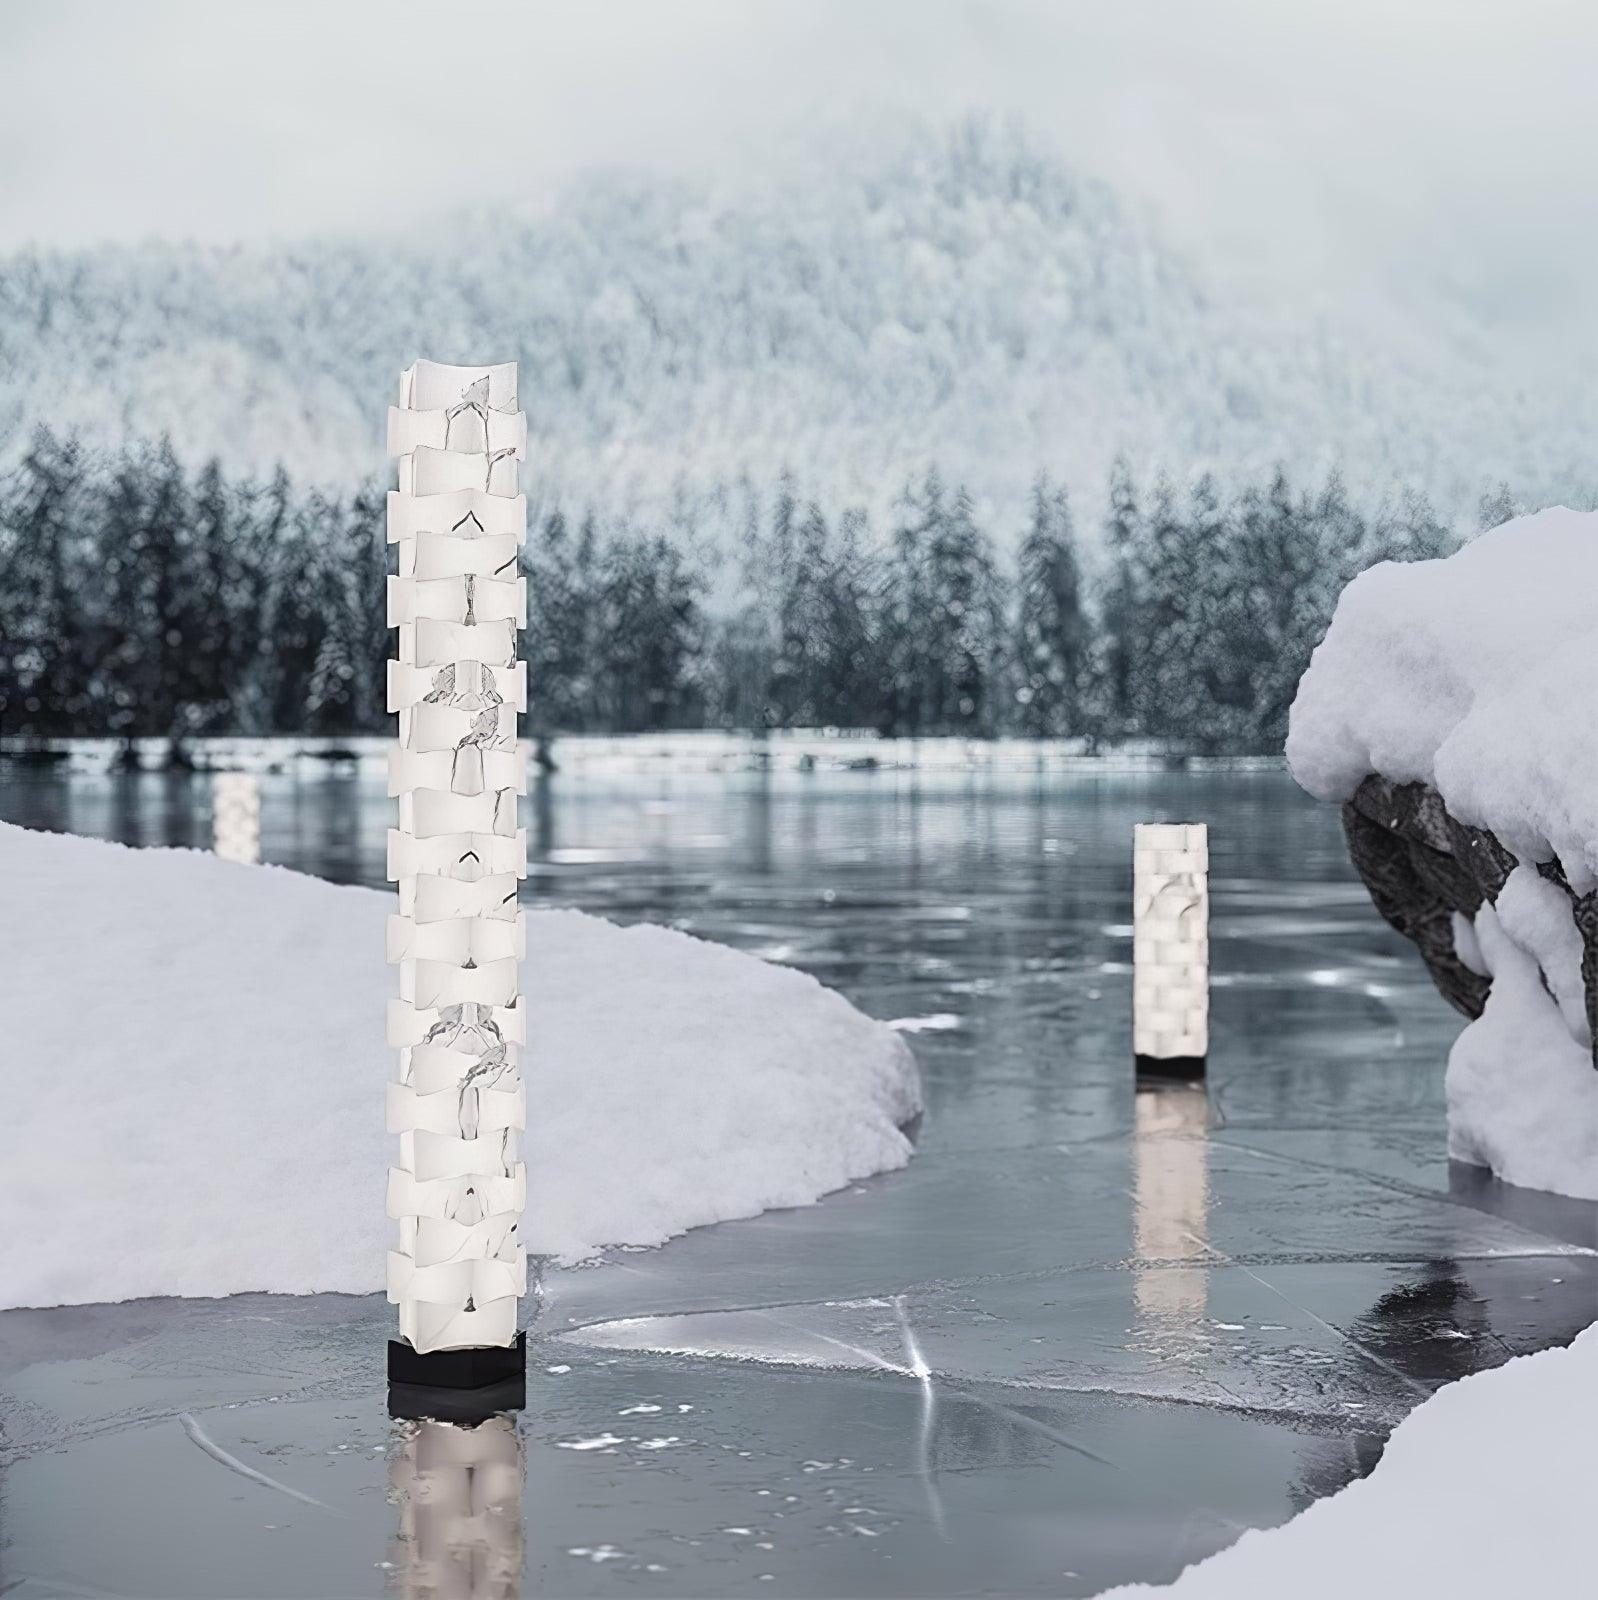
x=233 y=1464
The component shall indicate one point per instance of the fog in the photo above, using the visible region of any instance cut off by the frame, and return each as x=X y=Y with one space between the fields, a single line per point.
x=1433 y=151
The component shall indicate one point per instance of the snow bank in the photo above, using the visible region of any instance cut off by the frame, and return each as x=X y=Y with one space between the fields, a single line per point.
x=194 y=1066
x=1483 y=1492
x=1473 y=675
x=1522 y=1093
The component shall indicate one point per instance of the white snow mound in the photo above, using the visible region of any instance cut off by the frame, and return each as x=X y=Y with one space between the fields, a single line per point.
x=1483 y=1492
x=1473 y=674
x=194 y=1065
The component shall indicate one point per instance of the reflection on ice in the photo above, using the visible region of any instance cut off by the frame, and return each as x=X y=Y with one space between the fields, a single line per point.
x=459 y=1493
x=1171 y=1199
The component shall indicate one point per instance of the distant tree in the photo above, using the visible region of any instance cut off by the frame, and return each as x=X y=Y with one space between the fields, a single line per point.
x=136 y=599
x=1284 y=564
x=263 y=518
x=653 y=631
x=345 y=690
x=1052 y=642
x=154 y=616
x=802 y=565
x=1114 y=680
x=904 y=600
x=1219 y=700
x=222 y=596
x=1168 y=619
x=1409 y=530
x=43 y=590
x=561 y=642
x=298 y=597
x=364 y=596
x=824 y=669
x=1496 y=507
x=852 y=673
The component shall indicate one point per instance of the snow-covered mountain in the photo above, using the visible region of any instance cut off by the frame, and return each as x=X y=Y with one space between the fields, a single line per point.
x=954 y=296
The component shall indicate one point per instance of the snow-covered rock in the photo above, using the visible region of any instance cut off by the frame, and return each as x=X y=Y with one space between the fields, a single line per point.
x=1450 y=710
x=193 y=1070
x=1472 y=675
x=1483 y=1492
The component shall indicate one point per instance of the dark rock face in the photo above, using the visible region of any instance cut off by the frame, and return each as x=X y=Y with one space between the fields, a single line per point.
x=1421 y=865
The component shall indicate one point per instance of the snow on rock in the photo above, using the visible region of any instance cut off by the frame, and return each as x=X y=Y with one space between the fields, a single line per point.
x=1522 y=1093
x=1472 y=675
x=194 y=1068
x=1483 y=1492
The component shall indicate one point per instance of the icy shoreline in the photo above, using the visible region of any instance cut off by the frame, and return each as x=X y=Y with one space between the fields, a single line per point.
x=1482 y=1492
x=195 y=1070
x=689 y=750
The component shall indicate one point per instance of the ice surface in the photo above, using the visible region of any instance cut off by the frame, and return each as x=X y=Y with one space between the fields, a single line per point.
x=1483 y=1492
x=1142 y=1329
x=195 y=1063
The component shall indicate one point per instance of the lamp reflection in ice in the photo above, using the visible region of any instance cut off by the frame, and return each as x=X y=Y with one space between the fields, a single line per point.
x=1171 y=1200
x=459 y=1494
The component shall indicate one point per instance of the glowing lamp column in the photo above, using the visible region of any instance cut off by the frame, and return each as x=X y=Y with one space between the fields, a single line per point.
x=457 y=523
x=236 y=817
x=1170 y=948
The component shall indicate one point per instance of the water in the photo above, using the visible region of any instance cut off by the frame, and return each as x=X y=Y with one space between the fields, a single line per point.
x=1086 y=1337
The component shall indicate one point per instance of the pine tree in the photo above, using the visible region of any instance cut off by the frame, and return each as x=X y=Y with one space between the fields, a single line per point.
x=330 y=689
x=650 y=620
x=1167 y=623
x=370 y=641
x=1051 y=626
x=1283 y=561
x=213 y=645
x=164 y=568
x=1495 y=508
x=1120 y=611
x=799 y=665
x=298 y=598
x=852 y=673
x=1218 y=706
x=903 y=609
x=966 y=622
x=263 y=519
x=44 y=686
x=561 y=638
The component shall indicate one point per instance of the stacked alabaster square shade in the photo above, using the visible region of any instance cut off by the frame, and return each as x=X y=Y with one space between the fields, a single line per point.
x=236 y=817
x=457 y=523
x=1170 y=942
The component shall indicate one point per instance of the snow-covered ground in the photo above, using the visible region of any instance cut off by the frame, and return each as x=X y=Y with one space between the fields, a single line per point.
x=194 y=1066
x=1474 y=675
x=1482 y=1493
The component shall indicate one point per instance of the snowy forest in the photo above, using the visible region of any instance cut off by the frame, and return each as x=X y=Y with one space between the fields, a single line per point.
x=141 y=598
x=954 y=295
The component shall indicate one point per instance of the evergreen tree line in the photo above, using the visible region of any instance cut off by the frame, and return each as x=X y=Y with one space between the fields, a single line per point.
x=138 y=598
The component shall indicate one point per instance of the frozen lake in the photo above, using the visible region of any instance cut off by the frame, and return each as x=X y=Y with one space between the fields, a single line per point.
x=1087 y=1336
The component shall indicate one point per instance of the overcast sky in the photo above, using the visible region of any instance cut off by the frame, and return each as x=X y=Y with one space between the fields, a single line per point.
x=1426 y=143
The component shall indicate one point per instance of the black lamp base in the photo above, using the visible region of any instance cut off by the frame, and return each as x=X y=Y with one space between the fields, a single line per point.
x=457 y=1385
x=1172 y=1069
x=415 y=1402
